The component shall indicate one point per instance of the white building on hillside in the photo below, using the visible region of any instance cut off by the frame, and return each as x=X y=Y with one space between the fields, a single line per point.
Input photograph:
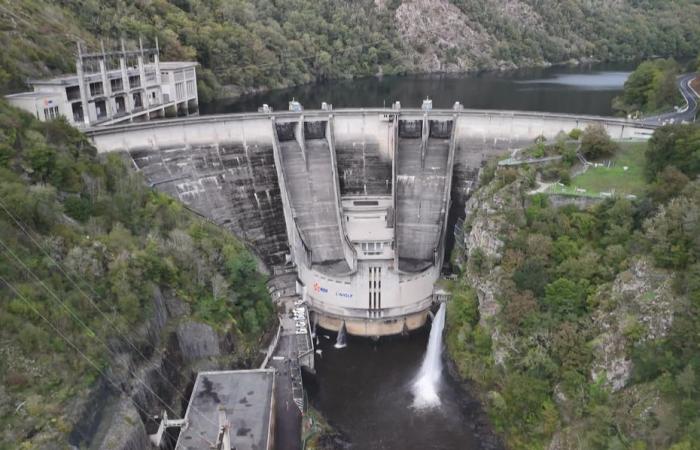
x=114 y=87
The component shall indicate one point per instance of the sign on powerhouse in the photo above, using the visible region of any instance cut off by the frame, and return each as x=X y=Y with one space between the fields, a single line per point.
x=321 y=290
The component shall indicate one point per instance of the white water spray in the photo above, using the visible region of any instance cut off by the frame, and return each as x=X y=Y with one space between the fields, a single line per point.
x=425 y=388
x=341 y=339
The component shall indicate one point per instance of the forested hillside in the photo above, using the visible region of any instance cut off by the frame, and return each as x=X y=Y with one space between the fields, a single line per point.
x=582 y=324
x=105 y=283
x=259 y=44
x=651 y=88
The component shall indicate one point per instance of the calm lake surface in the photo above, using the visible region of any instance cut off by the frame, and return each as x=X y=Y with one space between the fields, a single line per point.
x=579 y=90
x=364 y=390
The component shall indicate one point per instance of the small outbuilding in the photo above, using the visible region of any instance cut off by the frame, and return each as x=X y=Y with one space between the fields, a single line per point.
x=230 y=410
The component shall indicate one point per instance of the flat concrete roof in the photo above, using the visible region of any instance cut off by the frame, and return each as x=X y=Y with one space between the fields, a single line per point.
x=245 y=395
x=368 y=229
x=72 y=78
x=172 y=65
x=33 y=94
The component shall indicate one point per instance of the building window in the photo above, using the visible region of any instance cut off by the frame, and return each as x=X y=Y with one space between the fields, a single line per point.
x=77 y=112
x=190 y=88
x=73 y=93
x=96 y=88
x=116 y=85
x=372 y=248
x=134 y=81
x=179 y=91
x=138 y=102
x=101 y=109
x=121 y=104
x=51 y=113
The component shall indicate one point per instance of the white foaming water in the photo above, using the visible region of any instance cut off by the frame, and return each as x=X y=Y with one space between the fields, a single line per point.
x=341 y=339
x=425 y=388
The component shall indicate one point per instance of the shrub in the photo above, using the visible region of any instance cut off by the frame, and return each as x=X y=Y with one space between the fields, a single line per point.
x=78 y=208
x=596 y=143
x=575 y=134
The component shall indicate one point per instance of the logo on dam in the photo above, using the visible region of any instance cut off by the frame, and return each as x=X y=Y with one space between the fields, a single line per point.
x=319 y=289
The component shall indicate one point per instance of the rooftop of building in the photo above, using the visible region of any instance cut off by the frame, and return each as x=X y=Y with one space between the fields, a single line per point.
x=33 y=94
x=72 y=79
x=245 y=396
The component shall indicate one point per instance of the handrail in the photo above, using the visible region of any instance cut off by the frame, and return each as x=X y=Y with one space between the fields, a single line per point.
x=395 y=213
x=336 y=189
x=447 y=195
x=212 y=118
x=293 y=230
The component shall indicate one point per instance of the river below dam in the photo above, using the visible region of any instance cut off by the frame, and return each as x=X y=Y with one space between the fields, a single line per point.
x=366 y=389
x=367 y=392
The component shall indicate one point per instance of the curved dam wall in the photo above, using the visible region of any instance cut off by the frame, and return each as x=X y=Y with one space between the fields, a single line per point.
x=358 y=200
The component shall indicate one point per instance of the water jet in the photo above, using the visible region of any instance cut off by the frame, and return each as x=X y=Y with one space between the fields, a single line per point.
x=341 y=339
x=425 y=388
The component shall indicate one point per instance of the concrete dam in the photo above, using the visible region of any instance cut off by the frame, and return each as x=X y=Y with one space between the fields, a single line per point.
x=356 y=201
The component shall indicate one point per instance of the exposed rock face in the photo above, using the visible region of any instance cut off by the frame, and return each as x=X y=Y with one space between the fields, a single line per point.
x=442 y=35
x=197 y=341
x=487 y=222
x=643 y=310
x=154 y=367
x=127 y=432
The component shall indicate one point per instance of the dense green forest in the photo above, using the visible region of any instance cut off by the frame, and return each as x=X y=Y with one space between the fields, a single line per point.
x=595 y=339
x=258 y=44
x=651 y=88
x=84 y=244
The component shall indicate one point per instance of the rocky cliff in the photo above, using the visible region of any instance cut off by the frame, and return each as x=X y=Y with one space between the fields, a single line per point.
x=170 y=348
x=491 y=213
x=589 y=351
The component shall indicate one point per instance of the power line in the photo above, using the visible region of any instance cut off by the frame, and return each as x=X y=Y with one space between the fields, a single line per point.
x=80 y=352
x=23 y=227
x=92 y=333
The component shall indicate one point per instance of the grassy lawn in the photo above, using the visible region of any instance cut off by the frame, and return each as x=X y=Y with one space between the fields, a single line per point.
x=616 y=178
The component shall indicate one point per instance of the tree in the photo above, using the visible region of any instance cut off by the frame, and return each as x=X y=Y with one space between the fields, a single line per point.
x=669 y=183
x=650 y=88
x=674 y=145
x=596 y=142
x=531 y=276
x=565 y=298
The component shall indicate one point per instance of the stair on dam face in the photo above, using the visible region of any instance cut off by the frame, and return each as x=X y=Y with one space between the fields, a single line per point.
x=420 y=190
x=310 y=185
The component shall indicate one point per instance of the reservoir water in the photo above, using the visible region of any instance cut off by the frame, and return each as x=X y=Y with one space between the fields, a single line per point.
x=366 y=389
x=579 y=90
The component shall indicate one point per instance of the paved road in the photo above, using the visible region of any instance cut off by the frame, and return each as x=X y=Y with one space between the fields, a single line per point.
x=684 y=115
